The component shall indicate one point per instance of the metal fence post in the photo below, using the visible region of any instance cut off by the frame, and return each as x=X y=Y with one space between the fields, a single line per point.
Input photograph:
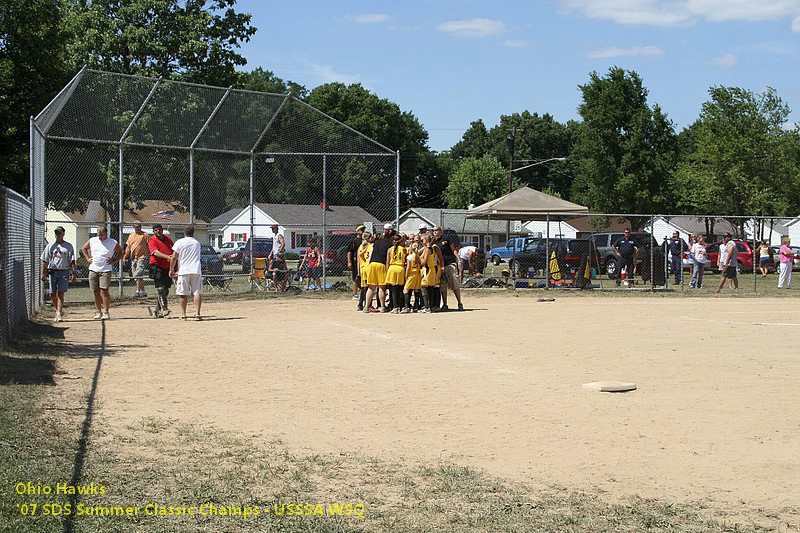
x=121 y=215
x=547 y=254
x=34 y=277
x=250 y=240
x=324 y=222
x=397 y=193
x=753 y=253
x=191 y=186
x=652 y=253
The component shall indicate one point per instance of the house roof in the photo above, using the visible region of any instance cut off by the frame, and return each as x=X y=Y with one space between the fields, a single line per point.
x=596 y=224
x=455 y=220
x=525 y=204
x=219 y=221
x=694 y=224
x=152 y=211
x=301 y=215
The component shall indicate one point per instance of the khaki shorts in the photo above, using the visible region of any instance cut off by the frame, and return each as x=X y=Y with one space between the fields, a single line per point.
x=189 y=284
x=450 y=277
x=139 y=267
x=99 y=280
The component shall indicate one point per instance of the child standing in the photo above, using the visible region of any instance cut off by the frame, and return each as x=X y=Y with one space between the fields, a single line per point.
x=312 y=259
x=396 y=272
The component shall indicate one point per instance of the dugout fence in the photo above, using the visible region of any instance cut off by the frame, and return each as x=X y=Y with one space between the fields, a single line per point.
x=538 y=254
x=112 y=149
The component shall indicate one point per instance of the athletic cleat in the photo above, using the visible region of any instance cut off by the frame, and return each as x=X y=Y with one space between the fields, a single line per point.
x=166 y=314
x=444 y=308
x=460 y=307
x=58 y=317
x=384 y=309
x=157 y=313
x=105 y=316
x=98 y=315
x=425 y=310
x=406 y=311
x=355 y=297
x=360 y=308
x=365 y=310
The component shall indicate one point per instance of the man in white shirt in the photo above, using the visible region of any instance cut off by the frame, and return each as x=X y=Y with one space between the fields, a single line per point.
x=103 y=253
x=278 y=243
x=185 y=265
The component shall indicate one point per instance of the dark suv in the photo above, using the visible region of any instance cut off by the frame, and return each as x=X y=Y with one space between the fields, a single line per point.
x=608 y=257
x=262 y=246
x=534 y=255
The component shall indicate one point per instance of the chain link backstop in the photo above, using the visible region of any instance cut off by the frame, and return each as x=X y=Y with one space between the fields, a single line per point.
x=112 y=149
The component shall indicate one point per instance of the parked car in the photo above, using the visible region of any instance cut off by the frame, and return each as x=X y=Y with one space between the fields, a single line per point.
x=502 y=254
x=233 y=256
x=534 y=255
x=608 y=257
x=336 y=252
x=776 y=255
x=210 y=262
x=261 y=247
x=230 y=246
x=744 y=255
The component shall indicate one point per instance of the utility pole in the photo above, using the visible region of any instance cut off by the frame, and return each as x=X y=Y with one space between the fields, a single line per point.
x=510 y=140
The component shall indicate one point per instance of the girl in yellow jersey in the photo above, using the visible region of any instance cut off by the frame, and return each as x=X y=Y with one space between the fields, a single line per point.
x=396 y=271
x=364 y=252
x=430 y=274
x=413 y=276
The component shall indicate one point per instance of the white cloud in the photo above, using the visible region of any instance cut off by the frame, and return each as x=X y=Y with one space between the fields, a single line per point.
x=726 y=61
x=790 y=126
x=683 y=12
x=370 y=18
x=473 y=27
x=634 y=51
x=327 y=74
x=648 y=12
x=796 y=25
x=747 y=10
x=515 y=43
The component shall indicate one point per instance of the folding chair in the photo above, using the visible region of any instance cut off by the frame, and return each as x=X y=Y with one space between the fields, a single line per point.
x=260 y=277
x=217 y=283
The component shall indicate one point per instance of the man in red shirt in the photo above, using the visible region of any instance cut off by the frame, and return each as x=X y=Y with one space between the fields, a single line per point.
x=160 y=253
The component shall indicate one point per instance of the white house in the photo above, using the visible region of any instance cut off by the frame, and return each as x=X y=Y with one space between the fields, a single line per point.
x=297 y=223
x=556 y=229
x=793 y=230
x=772 y=230
x=685 y=225
x=486 y=233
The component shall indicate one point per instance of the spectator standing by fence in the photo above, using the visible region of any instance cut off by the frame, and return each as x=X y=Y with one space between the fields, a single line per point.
x=160 y=254
x=103 y=253
x=627 y=253
x=184 y=265
x=137 y=249
x=676 y=248
x=728 y=261
x=278 y=242
x=58 y=260
x=698 y=255
x=352 y=261
x=764 y=258
x=785 y=266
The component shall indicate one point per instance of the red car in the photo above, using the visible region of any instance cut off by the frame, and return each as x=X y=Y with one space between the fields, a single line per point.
x=233 y=256
x=744 y=255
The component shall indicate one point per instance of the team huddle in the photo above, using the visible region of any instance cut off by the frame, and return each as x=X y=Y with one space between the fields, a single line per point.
x=394 y=267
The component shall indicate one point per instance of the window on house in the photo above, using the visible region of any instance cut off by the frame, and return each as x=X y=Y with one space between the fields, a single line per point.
x=238 y=237
x=303 y=238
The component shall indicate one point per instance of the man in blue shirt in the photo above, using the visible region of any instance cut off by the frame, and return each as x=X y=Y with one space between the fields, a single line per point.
x=627 y=252
x=677 y=247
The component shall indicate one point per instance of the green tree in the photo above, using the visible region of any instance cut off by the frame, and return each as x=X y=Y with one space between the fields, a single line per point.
x=195 y=39
x=477 y=181
x=381 y=120
x=625 y=151
x=538 y=137
x=32 y=56
x=743 y=160
x=266 y=81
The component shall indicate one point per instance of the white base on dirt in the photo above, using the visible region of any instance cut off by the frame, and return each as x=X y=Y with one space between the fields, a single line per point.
x=610 y=386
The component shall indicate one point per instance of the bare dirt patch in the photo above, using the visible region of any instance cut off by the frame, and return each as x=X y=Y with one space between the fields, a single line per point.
x=714 y=418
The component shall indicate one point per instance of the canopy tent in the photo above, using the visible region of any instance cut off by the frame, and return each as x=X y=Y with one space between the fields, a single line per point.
x=525 y=204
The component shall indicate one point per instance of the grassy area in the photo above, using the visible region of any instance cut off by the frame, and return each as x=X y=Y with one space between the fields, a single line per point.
x=50 y=435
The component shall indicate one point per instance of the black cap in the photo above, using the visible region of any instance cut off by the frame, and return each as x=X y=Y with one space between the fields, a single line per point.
x=157 y=226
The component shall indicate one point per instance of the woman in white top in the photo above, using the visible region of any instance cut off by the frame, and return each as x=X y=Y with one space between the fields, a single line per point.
x=699 y=254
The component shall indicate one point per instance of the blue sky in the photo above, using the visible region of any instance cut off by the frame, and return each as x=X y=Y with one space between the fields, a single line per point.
x=454 y=61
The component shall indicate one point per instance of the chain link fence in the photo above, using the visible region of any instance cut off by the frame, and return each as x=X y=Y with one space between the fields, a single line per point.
x=114 y=149
x=17 y=271
x=588 y=251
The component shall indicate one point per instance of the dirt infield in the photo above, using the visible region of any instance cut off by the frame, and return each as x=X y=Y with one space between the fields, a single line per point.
x=498 y=387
